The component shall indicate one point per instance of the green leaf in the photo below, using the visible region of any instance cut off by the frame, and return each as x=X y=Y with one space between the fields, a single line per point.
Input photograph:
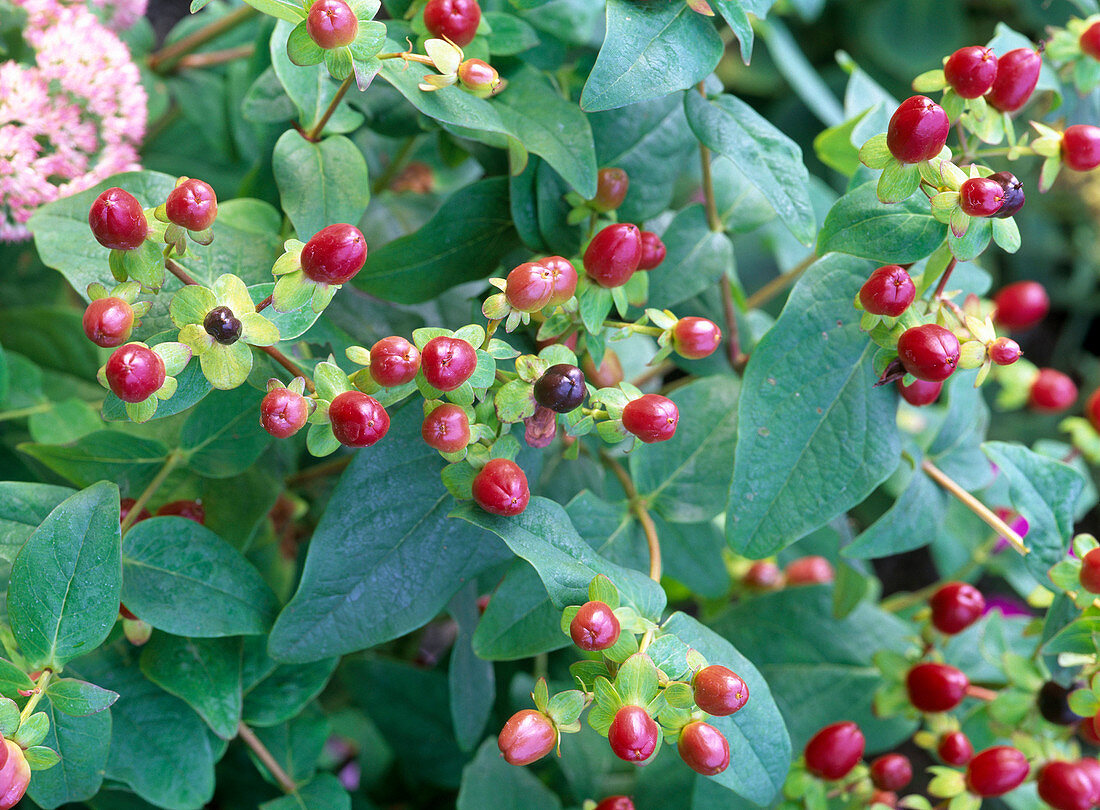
x=222 y=436
x=465 y=240
x=650 y=50
x=814 y=437
x=323 y=792
x=320 y=183
x=285 y=691
x=311 y=89
x=769 y=159
x=736 y=16
x=472 y=681
x=520 y=621
x=182 y=578
x=280 y=9
x=79 y=698
x=860 y=225
x=685 y=479
x=403 y=554
x=756 y=733
x=697 y=257
x=22 y=507
x=489 y=781
x=63 y=593
x=83 y=743
x=1045 y=492
x=206 y=673
x=511 y=35
x=905 y=525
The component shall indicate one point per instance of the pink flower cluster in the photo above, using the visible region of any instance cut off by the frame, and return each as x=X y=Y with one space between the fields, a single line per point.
x=74 y=118
x=121 y=14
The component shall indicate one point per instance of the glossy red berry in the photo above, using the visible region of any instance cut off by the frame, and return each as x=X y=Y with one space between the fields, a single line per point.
x=15 y=774
x=528 y=736
x=652 y=418
x=108 y=322
x=1081 y=147
x=1065 y=786
x=358 y=420
x=125 y=505
x=595 y=627
x=192 y=204
x=996 y=771
x=695 y=338
x=332 y=24
x=955 y=607
x=446 y=429
x=633 y=734
x=703 y=748
x=812 y=570
x=834 y=751
x=1020 y=305
x=1091 y=767
x=334 y=254
x=886 y=797
x=888 y=291
x=135 y=372
x=283 y=412
x=117 y=220
x=955 y=748
x=1090 y=571
x=1052 y=392
x=719 y=690
x=394 y=361
x=529 y=286
x=500 y=488
x=763 y=575
x=891 y=772
x=1092 y=409
x=616 y=803
x=929 y=352
x=936 y=687
x=1090 y=40
x=190 y=510
x=970 y=71
x=653 y=251
x=561 y=388
x=457 y=20
x=1013 y=194
x=981 y=197
x=613 y=255
x=611 y=187
x=918 y=130
x=1017 y=75
x=1004 y=351
x=448 y=362
x=565 y=279
x=921 y=392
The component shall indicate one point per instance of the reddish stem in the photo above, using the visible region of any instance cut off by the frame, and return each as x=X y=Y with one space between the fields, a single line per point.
x=288 y=364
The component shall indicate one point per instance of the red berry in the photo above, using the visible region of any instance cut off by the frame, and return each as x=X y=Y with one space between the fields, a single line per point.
x=1020 y=305
x=1091 y=767
x=695 y=338
x=1092 y=408
x=652 y=418
x=981 y=197
x=117 y=220
x=192 y=204
x=955 y=748
x=891 y=772
x=996 y=771
x=834 y=751
x=500 y=488
x=15 y=774
x=283 y=412
x=125 y=505
x=608 y=375
x=1090 y=41
x=1081 y=147
x=811 y=570
x=613 y=255
x=190 y=510
x=561 y=388
x=124 y=611
x=888 y=291
x=1052 y=392
x=921 y=392
x=1013 y=194
x=448 y=362
x=529 y=286
x=633 y=734
x=704 y=748
x=565 y=280
x=889 y=798
x=108 y=322
x=457 y=20
x=135 y=372
x=955 y=607
x=929 y=352
x=1090 y=571
x=332 y=24
x=918 y=130
x=1017 y=75
x=719 y=690
x=1065 y=786
x=653 y=251
x=611 y=188
x=595 y=627
x=1086 y=730
x=528 y=736
x=764 y=575
x=970 y=71
x=936 y=687
x=1004 y=351
x=616 y=803
x=358 y=420
x=446 y=429
x=394 y=361
x=334 y=254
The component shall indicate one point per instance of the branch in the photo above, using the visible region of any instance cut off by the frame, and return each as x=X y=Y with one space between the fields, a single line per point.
x=260 y=750
x=288 y=364
x=166 y=59
x=314 y=134
x=172 y=267
x=170 y=463
x=212 y=58
x=975 y=506
x=778 y=284
x=638 y=507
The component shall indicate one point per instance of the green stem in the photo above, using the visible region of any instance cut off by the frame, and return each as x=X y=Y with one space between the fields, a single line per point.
x=19 y=413
x=655 y=331
x=900 y=602
x=390 y=172
x=164 y=60
x=778 y=284
x=39 y=690
x=170 y=463
x=314 y=134
x=490 y=330
x=714 y=221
